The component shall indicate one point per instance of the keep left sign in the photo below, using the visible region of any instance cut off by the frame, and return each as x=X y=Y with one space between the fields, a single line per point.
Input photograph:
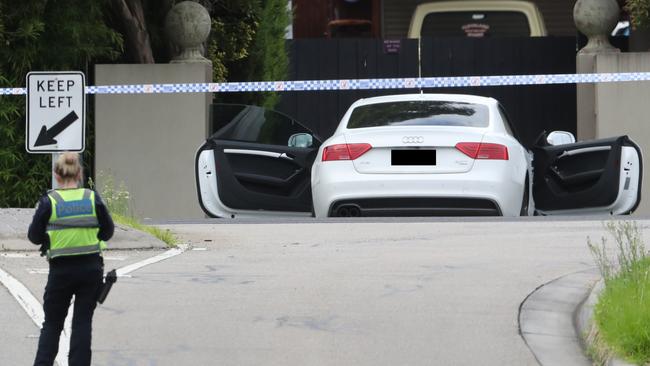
x=56 y=112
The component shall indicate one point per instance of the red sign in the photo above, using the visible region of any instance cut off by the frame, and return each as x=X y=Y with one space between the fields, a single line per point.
x=476 y=29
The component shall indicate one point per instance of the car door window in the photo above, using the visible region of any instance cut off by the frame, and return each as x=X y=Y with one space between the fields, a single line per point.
x=254 y=124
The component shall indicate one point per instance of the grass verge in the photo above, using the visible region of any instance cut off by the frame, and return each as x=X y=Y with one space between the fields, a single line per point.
x=622 y=314
x=119 y=203
x=164 y=235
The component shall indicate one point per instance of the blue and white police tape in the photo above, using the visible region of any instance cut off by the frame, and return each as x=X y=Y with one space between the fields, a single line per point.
x=358 y=84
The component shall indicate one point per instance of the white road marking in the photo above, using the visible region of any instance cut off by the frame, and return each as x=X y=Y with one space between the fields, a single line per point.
x=160 y=257
x=20 y=255
x=107 y=258
x=34 y=309
x=199 y=249
x=38 y=271
x=25 y=298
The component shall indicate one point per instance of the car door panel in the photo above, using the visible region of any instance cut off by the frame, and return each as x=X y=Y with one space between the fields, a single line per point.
x=277 y=180
x=589 y=176
x=252 y=164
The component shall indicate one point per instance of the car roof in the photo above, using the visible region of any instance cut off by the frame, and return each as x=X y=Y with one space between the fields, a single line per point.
x=463 y=98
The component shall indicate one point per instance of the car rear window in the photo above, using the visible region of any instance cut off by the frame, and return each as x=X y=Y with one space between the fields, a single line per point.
x=420 y=113
x=475 y=24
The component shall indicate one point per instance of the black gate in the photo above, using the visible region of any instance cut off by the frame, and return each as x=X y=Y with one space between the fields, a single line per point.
x=532 y=108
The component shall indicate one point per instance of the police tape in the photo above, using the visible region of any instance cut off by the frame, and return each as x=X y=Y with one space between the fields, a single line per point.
x=358 y=84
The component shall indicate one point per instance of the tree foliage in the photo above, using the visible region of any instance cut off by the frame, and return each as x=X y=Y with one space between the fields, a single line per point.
x=234 y=25
x=639 y=11
x=269 y=59
x=41 y=36
x=246 y=43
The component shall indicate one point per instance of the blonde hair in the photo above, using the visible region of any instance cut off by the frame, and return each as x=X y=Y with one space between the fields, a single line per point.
x=67 y=166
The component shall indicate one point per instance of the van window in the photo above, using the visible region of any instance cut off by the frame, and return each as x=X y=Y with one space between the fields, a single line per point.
x=475 y=24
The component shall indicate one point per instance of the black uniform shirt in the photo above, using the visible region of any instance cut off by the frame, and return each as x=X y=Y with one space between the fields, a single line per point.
x=37 y=229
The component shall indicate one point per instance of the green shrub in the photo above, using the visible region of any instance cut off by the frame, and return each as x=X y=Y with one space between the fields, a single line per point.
x=630 y=250
x=622 y=313
x=37 y=36
x=639 y=11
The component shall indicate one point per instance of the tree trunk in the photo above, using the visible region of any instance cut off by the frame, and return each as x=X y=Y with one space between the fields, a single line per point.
x=131 y=12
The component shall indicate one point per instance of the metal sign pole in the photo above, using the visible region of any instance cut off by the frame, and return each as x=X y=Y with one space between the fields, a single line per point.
x=55 y=185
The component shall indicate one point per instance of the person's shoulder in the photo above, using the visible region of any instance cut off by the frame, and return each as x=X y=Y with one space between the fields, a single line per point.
x=45 y=197
x=43 y=202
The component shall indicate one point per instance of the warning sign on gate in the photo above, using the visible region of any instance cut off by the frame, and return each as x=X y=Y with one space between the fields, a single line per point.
x=56 y=112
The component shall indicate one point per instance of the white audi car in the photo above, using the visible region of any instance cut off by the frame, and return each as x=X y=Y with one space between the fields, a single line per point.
x=409 y=155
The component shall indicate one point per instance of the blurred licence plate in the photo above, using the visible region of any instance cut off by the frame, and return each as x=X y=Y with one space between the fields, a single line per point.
x=413 y=157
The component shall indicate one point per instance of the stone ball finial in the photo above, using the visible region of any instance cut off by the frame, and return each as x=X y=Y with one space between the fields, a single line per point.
x=596 y=19
x=188 y=26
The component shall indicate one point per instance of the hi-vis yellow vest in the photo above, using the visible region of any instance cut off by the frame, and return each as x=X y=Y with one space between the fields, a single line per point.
x=73 y=224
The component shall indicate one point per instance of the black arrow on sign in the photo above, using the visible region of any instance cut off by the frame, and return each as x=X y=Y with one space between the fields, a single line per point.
x=46 y=137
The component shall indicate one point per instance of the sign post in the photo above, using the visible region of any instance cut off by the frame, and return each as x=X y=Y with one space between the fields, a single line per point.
x=56 y=112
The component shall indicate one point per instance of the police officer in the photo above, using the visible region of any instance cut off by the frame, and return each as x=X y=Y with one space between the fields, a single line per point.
x=71 y=225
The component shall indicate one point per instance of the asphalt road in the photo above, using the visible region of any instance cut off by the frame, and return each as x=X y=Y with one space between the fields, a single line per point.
x=330 y=293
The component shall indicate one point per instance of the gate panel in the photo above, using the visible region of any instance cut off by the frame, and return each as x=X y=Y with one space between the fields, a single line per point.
x=533 y=108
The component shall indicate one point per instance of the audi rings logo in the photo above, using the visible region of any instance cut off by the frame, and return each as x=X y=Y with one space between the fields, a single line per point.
x=413 y=139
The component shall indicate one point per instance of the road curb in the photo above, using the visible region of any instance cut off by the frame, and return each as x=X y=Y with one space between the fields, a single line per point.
x=124 y=238
x=14 y=223
x=547 y=319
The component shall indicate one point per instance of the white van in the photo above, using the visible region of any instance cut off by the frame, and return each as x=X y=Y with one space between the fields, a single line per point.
x=477 y=18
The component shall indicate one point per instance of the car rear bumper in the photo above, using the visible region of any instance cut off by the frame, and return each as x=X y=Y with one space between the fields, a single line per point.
x=415 y=206
x=490 y=188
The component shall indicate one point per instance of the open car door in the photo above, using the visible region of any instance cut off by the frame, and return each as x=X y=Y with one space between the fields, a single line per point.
x=258 y=162
x=589 y=177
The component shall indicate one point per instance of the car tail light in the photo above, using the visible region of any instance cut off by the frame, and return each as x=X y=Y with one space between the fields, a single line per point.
x=479 y=150
x=345 y=151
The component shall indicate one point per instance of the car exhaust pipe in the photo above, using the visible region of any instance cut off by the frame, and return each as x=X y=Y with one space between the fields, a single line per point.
x=348 y=211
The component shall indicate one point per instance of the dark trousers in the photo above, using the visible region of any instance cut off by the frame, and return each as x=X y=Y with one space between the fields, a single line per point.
x=80 y=276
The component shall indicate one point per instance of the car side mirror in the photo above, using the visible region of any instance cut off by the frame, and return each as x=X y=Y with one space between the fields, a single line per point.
x=300 y=140
x=560 y=138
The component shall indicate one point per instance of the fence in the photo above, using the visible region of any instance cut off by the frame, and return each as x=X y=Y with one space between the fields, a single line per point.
x=532 y=108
